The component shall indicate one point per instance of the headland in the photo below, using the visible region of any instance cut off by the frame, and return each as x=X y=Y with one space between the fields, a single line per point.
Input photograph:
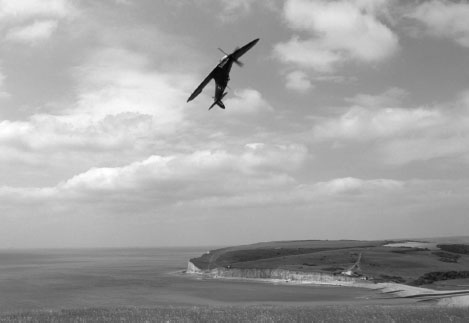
x=424 y=269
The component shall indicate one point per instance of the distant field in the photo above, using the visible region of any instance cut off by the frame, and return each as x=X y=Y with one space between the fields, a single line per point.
x=259 y=313
x=415 y=262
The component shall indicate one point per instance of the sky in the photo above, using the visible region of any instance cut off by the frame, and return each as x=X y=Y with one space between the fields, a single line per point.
x=349 y=120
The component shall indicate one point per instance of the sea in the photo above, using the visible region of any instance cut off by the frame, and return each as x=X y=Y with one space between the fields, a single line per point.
x=55 y=279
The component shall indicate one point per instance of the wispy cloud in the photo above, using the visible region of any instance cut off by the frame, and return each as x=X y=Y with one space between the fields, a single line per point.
x=32 y=33
x=298 y=81
x=176 y=179
x=364 y=124
x=444 y=19
x=403 y=135
x=338 y=31
x=356 y=186
x=116 y=80
x=27 y=9
x=235 y=9
x=392 y=97
x=122 y=110
x=3 y=92
x=232 y=10
x=29 y=21
x=247 y=101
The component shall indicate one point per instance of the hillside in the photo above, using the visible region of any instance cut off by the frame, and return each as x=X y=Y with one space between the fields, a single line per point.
x=435 y=263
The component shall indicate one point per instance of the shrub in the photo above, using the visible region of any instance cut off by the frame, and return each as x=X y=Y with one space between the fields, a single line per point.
x=456 y=248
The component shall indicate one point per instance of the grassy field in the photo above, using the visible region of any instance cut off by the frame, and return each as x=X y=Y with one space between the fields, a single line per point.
x=379 y=260
x=259 y=313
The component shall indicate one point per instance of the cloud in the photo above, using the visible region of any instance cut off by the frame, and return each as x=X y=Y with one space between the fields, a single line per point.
x=233 y=10
x=212 y=170
x=26 y=194
x=115 y=80
x=364 y=124
x=257 y=175
x=32 y=33
x=274 y=157
x=332 y=193
x=298 y=81
x=401 y=151
x=447 y=138
x=47 y=133
x=124 y=109
x=403 y=135
x=176 y=179
x=444 y=19
x=30 y=21
x=247 y=101
x=115 y=145
x=26 y=9
x=308 y=54
x=355 y=186
x=339 y=31
x=123 y=98
x=3 y=92
x=392 y=97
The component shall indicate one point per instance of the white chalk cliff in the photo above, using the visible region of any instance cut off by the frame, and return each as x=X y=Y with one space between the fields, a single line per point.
x=276 y=275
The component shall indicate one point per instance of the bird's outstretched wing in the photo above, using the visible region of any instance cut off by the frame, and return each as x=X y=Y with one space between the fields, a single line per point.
x=200 y=87
x=241 y=51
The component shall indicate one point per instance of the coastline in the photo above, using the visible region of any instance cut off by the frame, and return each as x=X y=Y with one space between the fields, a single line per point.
x=458 y=298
